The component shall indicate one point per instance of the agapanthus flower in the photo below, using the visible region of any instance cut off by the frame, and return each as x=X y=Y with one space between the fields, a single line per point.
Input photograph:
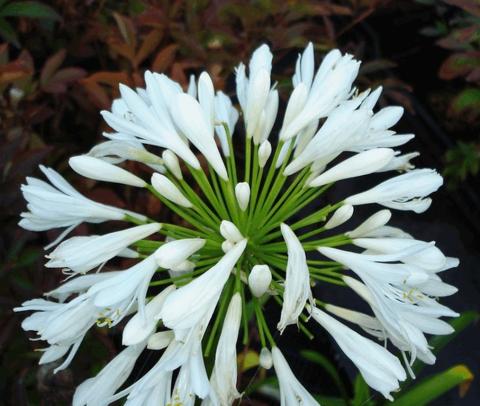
x=244 y=239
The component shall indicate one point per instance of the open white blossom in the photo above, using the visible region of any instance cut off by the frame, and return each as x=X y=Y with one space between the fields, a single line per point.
x=186 y=282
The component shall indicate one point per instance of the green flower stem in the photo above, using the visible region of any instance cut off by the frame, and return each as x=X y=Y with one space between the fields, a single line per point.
x=222 y=310
x=276 y=188
x=182 y=213
x=293 y=189
x=319 y=215
x=231 y=200
x=334 y=241
x=256 y=306
x=265 y=328
x=248 y=155
x=268 y=180
x=245 y=320
x=289 y=210
x=333 y=281
x=134 y=220
x=231 y=157
x=202 y=181
x=311 y=233
x=197 y=201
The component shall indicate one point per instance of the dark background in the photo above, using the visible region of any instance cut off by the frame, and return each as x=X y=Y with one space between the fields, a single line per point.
x=96 y=44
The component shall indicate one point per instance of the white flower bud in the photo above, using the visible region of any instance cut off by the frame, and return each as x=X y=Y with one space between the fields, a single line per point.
x=379 y=219
x=340 y=216
x=264 y=152
x=168 y=190
x=265 y=359
x=171 y=162
x=242 y=192
x=227 y=246
x=98 y=169
x=259 y=279
x=230 y=231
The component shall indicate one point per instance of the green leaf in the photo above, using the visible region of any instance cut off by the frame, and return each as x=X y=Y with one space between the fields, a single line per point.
x=361 y=392
x=330 y=401
x=31 y=9
x=435 y=386
x=8 y=33
x=321 y=360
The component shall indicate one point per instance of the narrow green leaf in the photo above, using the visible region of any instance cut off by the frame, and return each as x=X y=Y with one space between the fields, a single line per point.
x=330 y=401
x=321 y=360
x=31 y=9
x=435 y=386
x=361 y=392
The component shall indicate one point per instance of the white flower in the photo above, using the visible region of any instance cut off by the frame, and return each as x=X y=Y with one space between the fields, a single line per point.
x=332 y=84
x=341 y=215
x=169 y=191
x=62 y=325
x=160 y=340
x=259 y=279
x=225 y=115
x=139 y=328
x=98 y=169
x=117 y=150
x=360 y=164
x=190 y=119
x=242 y=193
x=81 y=254
x=253 y=92
x=403 y=192
x=291 y=391
x=398 y=292
x=132 y=116
x=187 y=305
x=297 y=280
x=95 y=391
x=224 y=375
x=60 y=205
x=380 y=369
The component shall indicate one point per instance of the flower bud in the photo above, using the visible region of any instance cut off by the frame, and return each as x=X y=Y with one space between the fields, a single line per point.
x=265 y=359
x=171 y=162
x=264 y=152
x=227 y=246
x=230 y=231
x=98 y=169
x=259 y=279
x=242 y=192
x=168 y=190
x=379 y=219
x=340 y=216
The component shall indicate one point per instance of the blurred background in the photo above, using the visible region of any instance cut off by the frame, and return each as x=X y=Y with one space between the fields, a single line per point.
x=61 y=62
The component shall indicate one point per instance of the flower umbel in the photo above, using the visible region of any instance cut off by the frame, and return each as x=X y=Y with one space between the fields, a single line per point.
x=243 y=240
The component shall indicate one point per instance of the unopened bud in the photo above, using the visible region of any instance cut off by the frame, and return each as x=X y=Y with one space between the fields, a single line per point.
x=264 y=152
x=265 y=359
x=259 y=279
x=340 y=216
x=98 y=169
x=230 y=231
x=171 y=162
x=242 y=192
x=168 y=190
